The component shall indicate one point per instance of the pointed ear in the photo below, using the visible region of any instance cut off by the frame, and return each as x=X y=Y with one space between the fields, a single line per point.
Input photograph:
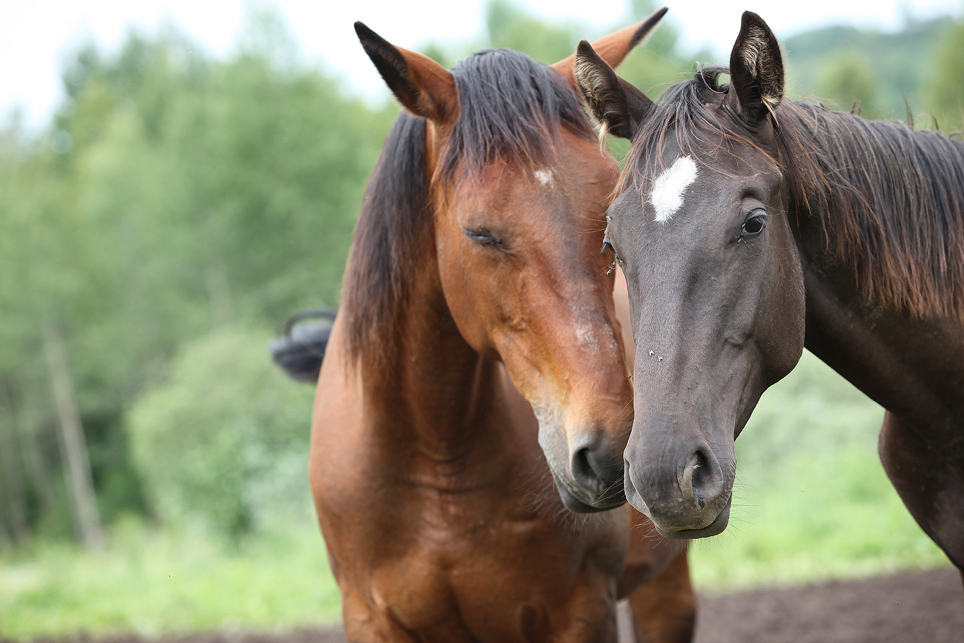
x=756 y=70
x=420 y=84
x=614 y=47
x=616 y=104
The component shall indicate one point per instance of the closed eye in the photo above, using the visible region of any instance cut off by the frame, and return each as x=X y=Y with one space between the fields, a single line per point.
x=483 y=237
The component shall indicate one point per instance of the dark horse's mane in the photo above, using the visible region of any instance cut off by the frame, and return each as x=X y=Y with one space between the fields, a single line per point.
x=890 y=200
x=510 y=107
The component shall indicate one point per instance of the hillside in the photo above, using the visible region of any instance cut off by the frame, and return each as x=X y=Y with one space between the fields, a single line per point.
x=880 y=65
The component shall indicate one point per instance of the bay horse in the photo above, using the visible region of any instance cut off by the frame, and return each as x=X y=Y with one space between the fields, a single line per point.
x=474 y=385
x=750 y=227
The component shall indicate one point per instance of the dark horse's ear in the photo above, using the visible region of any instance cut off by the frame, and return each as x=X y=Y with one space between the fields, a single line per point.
x=756 y=70
x=614 y=47
x=617 y=105
x=420 y=84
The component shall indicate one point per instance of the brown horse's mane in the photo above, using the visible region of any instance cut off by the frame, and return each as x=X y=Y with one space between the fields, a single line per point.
x=890 y=199
x=510 y=107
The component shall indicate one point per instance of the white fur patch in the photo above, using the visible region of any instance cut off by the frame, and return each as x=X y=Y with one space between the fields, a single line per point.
x=669 y=187
x=586 y=336
x=544 y=177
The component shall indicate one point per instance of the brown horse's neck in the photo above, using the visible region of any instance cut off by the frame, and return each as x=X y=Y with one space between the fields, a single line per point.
x=440 y=406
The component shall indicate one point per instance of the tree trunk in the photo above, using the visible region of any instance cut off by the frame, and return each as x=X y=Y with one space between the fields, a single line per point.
x=38 y=471
x=4 y=538
x=74 y=448
x=10 y=461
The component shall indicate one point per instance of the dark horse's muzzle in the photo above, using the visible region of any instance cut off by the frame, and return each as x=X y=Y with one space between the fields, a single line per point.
x=675 y=478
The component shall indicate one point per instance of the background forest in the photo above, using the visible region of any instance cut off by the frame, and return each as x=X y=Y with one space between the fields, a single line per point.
x=158 y=232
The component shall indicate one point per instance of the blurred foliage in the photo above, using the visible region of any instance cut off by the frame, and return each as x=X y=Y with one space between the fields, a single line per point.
x=851 y=76
x=944 y=91
x=838 y=64
x=171 y=196
x=222 y=445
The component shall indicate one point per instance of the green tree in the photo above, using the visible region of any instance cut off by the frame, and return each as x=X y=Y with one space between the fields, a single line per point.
x=513 y=28
x=944 y=92
x=222 y=445
x=849 y=81
x=171 y=195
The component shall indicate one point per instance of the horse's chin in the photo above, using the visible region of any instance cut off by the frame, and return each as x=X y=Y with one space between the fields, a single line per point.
x=575 y=505
x=714 y=528
x=581 y=506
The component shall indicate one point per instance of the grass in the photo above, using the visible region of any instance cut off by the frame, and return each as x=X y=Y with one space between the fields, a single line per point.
x=150 y=583
x=827 y=517
x=811 y=503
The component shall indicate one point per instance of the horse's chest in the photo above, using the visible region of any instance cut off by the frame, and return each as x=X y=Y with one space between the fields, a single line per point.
x=484 y=599
x=492 y=583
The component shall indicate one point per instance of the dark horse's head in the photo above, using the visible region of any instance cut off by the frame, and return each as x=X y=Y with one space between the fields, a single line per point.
x=517 y=189
x=715 y=282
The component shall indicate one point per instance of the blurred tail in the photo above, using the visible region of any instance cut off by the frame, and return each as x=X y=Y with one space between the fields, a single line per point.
x=301 y=350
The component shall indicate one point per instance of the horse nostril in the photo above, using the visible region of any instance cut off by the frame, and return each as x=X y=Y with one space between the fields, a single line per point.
x=595 y=471
x=698 y=479
x=581 y=468
x=699 y=476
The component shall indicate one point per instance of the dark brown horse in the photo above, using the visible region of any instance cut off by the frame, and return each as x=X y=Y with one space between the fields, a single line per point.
x=477 y=341
x=750 y=227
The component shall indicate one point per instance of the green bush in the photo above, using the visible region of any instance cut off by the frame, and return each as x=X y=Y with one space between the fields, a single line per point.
x=222 y=446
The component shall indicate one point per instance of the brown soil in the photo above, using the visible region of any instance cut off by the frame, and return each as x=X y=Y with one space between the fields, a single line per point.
x=910 y=607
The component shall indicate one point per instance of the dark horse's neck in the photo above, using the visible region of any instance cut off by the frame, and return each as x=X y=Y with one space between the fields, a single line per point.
x=878 y=217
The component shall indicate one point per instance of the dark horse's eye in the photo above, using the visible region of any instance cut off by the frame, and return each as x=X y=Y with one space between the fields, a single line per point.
x=754 y=224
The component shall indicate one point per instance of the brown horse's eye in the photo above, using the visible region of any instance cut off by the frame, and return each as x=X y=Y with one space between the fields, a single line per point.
x=754 y=224
x=483 y=237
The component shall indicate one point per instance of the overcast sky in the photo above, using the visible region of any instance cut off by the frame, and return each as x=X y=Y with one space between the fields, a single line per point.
x=35 y=35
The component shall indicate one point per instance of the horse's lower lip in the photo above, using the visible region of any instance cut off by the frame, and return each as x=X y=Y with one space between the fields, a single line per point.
x=577 y=505
x=716 y=527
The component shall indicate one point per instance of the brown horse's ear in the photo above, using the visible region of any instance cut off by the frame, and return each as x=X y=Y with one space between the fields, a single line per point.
x=617 y=105
x=614 y=47
x=420 y=84
x=756 y=70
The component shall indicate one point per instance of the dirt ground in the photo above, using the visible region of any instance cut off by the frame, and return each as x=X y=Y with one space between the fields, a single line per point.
x=911 y=607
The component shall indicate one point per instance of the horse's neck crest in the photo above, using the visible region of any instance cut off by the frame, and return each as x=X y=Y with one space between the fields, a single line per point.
x=670 y=186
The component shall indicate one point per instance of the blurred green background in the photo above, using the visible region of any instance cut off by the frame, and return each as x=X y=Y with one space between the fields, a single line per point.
x=177 y=208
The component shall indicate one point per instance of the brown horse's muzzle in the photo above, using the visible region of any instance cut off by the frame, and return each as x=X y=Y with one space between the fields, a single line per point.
x=586 y=465
x=676 y=479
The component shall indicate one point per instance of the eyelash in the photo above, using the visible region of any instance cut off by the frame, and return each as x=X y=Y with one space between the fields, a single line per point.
x=757 y=215
x=616 y=260
x=483 y=237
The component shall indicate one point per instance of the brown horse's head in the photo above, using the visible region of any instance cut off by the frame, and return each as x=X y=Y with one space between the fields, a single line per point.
x=519 y=193
x=715 y=281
